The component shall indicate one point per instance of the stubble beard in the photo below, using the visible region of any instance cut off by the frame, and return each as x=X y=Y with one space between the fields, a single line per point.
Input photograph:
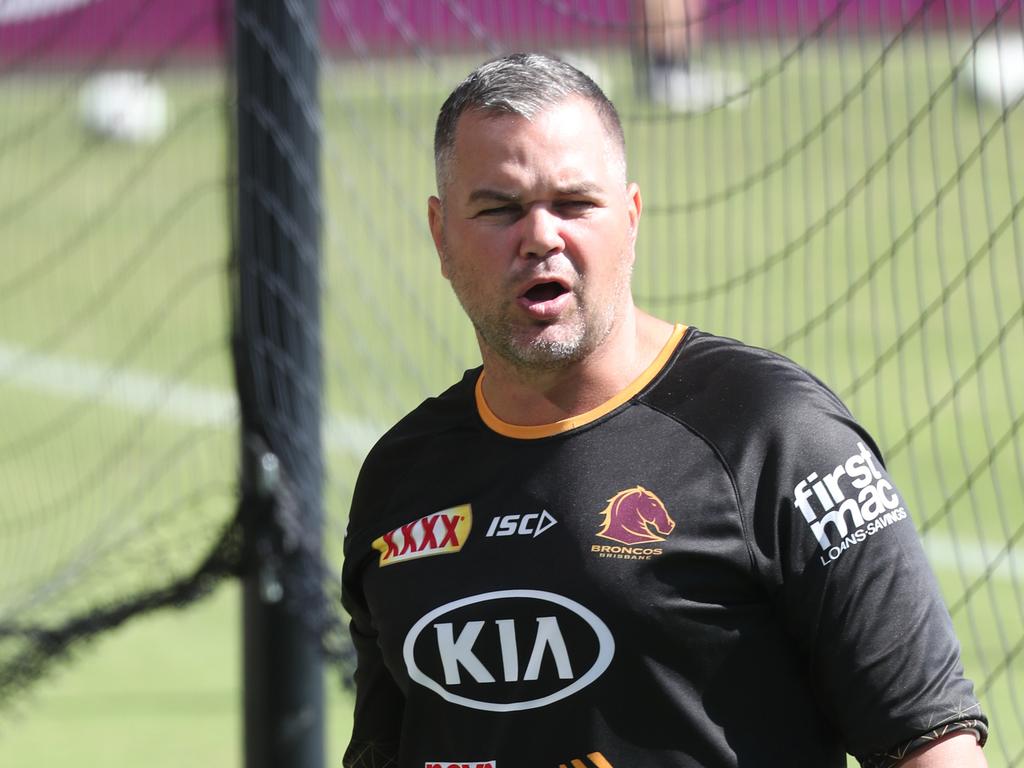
x=527 y=347
x=536 y=348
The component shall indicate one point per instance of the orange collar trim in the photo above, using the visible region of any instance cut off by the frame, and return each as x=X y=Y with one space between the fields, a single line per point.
x=572 y=422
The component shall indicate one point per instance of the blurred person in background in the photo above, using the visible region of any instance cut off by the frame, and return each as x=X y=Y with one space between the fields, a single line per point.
x=668 y=36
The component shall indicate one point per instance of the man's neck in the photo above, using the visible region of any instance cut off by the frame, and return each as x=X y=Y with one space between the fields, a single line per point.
x=533 y=397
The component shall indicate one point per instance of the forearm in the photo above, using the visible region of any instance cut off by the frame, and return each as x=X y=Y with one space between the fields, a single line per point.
x=957 y=750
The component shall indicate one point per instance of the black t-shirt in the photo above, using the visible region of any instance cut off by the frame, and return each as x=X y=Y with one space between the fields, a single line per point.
x=712 y=569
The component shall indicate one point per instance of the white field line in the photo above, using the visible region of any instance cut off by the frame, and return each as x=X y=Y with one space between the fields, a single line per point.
x=207 y=407
x=972 y=556
x=146 y=393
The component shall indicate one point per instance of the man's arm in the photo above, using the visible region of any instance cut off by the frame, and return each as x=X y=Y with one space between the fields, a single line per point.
x=856 y=589
x=377 y=716
x=957 y=750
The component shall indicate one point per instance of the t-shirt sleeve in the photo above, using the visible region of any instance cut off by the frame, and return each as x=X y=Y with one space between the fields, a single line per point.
x=836 y=541
x=377 y=716
x=379 y=704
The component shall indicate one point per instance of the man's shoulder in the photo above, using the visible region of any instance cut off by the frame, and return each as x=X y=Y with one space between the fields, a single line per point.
x=398 y=457
x=451 y=411
x=728 y=390
x=736 y=375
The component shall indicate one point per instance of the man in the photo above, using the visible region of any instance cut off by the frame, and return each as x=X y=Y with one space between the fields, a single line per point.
x=623 y=542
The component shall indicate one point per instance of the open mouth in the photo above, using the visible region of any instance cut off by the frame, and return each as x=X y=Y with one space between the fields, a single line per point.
x=545 y=291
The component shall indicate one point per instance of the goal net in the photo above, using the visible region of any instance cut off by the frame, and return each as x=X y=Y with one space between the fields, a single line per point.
x=839 y=181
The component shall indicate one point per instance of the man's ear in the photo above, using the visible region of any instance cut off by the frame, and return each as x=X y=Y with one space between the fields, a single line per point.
x=435 y=218
x=634 y=207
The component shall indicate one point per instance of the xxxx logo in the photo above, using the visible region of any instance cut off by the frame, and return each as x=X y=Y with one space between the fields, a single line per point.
x=438 y=534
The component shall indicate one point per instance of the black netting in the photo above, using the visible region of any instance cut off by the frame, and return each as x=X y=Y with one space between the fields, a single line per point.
x=839 y=181
x=118 y=456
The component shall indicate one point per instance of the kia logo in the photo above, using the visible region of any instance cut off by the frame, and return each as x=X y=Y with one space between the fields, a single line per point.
x=508 y=650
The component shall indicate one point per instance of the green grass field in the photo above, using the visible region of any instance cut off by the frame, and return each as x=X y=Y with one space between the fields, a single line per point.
x=165 y=691
x=858 y=214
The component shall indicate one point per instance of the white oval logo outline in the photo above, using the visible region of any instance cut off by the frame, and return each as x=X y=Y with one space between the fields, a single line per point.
x=605 y=651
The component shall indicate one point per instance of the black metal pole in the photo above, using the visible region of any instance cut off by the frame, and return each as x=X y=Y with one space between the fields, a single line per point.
x=278 y=370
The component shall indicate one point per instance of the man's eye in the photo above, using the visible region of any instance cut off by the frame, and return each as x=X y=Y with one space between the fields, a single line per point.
x=500 y=210
x=575 y=205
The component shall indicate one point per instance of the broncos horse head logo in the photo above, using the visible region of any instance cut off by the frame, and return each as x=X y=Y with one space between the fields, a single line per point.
x=635 y=516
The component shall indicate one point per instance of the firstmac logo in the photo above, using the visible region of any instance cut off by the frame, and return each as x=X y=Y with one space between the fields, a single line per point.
x=848 y=504
x=438 y=534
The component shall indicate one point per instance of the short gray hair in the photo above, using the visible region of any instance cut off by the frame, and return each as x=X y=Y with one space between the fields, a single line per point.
x=523 y=84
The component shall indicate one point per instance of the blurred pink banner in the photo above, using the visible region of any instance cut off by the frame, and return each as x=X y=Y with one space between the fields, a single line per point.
x=150 y=31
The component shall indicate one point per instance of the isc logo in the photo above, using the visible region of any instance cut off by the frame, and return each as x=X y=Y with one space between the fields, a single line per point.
x=509 y=650
x=521 y=525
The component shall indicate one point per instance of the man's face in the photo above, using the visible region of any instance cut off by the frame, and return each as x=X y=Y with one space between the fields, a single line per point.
x=536 y=232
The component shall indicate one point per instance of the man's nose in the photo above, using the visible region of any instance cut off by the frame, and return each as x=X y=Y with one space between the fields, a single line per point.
x=541 y=233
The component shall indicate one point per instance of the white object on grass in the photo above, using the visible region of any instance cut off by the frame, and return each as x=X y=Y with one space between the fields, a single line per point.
x=588 y=66
x=696 y=88
x=994 y=69
x=24 y=10
x=124 y=106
